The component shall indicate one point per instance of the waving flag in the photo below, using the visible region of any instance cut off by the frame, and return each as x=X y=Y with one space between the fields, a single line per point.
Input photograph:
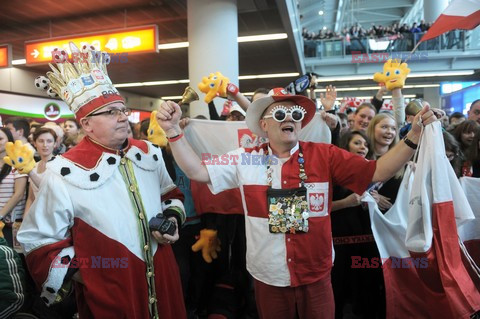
x=460 y=14
x=418 y=242
x=212 y=138
x=470 y=232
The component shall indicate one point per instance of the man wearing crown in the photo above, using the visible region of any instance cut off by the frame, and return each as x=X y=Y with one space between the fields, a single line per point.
x=287 y=201
x=89 y=224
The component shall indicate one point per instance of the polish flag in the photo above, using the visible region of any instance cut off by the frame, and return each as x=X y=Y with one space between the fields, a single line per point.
x=460 y=14
x=418 y=241
x=209 y=139
x=470 y=232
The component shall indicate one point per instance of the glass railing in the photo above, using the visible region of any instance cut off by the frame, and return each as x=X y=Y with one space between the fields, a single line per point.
x=453 y=40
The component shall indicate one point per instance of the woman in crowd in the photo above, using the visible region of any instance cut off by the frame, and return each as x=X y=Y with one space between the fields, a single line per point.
x=44 y=141
x=383 y=133
x=72 y=131
x=464 y=133
x=71 y=128
x=471 y=167
x=12 y=190
x=453 y=153
x=363 y=115
x=362 y=288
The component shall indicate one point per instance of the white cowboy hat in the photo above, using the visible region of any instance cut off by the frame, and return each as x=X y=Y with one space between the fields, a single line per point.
x=257 y=108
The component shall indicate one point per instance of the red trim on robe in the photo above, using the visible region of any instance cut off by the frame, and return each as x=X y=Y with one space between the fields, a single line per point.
x=40 y=260
x=87 y=153
x=116 y=292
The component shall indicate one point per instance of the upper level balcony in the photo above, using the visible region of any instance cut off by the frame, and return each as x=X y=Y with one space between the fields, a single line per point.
x=455 y=50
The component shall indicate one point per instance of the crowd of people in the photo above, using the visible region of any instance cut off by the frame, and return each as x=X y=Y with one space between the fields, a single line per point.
x=375 y=31
x=355 y=39
x=106 y=223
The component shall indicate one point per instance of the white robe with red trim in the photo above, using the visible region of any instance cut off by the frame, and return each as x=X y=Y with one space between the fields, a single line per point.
x=84 y=209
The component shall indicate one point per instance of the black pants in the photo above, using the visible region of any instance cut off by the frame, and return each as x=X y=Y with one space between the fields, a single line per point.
x=233 y=293
x=195 y=273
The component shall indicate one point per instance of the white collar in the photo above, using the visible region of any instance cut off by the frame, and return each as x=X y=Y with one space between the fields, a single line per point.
x=292 y=151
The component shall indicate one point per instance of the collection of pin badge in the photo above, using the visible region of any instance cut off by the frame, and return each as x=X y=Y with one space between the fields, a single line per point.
x=289 y=212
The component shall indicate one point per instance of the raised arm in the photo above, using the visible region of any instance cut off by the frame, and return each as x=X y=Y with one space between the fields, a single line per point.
x=168 y=116
x=390 y=163
x=398 y=102
x=377 y=99
x=235 y=94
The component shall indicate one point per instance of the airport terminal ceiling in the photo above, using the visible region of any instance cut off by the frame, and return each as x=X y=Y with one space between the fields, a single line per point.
x=23 y=20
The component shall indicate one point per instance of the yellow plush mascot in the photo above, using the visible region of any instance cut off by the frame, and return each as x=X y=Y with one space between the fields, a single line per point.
x=19 y=156
x=155 y=133
x=213 y=86
x=394 y=74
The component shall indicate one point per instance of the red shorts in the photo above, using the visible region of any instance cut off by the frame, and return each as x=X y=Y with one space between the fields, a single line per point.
x=308 y=301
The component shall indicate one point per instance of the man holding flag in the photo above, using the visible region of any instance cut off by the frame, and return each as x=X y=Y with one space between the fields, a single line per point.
x=289 y=243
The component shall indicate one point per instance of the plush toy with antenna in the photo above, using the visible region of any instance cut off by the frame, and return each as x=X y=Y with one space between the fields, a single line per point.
x=213 y=86
x=155 y=133
x=394 y=74
x=19 y=156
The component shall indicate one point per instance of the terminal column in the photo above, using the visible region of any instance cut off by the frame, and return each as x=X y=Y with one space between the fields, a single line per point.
x=213 y=45
x=433 y=8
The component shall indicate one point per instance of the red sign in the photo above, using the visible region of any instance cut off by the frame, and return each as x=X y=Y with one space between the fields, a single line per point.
x=51 y=111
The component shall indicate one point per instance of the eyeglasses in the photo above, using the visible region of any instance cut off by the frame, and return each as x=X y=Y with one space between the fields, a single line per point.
x=280 y=112
x=114 y=112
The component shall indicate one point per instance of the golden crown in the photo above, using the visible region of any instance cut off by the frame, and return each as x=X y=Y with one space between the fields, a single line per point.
x=83 y=83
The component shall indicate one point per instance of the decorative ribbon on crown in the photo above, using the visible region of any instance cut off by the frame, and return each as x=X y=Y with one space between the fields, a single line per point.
x=83 y=83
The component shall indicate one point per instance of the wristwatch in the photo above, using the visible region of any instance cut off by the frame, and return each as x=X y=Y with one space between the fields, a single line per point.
x=409 y=143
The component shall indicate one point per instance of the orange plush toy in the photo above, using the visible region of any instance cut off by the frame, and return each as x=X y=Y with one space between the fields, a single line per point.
x=208 y=243
x=213 y=86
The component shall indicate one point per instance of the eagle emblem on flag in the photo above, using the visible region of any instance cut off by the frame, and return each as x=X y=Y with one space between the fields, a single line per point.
x=316 y=202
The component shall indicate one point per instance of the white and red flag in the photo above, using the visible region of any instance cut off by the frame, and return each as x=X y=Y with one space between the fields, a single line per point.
x=469 y=233
x=460 y=14
x=209 y=139
x=418 y=241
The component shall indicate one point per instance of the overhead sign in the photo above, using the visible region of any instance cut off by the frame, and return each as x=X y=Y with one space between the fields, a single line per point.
x=131 y=40
x=33 y=107
x=5 y=55
x=51 y=111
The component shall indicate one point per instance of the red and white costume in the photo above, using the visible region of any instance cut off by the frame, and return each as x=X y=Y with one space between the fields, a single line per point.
x=292 y=260
x=94 y=204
